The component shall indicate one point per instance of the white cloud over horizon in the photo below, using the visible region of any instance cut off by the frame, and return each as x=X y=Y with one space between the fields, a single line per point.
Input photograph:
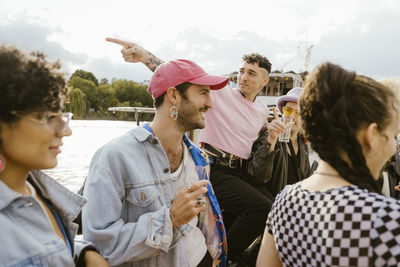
x=359 y=35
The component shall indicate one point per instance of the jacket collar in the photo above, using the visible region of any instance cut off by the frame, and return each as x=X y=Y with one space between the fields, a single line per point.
x=199 y=157
x=67 y=203
x=142 y=133
x=7 y=195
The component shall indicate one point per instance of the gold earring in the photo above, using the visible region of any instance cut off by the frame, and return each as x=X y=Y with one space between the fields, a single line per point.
x=173 y=112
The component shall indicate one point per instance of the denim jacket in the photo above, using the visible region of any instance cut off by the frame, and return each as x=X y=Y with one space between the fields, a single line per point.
x=129 y=195
x=27 y=236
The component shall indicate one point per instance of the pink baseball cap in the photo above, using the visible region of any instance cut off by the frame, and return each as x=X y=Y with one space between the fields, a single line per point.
x=178 y=71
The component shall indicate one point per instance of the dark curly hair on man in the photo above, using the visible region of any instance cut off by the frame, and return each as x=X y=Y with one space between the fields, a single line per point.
x=28 y=83
x=262 y=61
x=334 y=105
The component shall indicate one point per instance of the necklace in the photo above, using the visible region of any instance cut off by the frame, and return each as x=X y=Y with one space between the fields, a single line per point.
x=328 y=174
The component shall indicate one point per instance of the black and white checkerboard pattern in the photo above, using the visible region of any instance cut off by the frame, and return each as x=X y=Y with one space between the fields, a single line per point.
x=345 y=226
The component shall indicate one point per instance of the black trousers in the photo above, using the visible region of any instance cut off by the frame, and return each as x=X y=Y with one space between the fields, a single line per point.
x=207 y=261
x=250 y=203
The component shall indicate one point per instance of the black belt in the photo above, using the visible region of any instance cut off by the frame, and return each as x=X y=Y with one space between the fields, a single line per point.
x=222 y=158
x=231 y=163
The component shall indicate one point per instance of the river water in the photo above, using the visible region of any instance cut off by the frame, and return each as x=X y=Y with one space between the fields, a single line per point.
x=78 y=149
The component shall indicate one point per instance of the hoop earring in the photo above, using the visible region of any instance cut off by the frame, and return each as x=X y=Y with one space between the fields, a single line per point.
x=2 y=163
x=173 y=112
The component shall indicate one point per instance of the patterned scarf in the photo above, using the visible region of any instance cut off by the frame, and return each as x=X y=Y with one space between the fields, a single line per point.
x=210 y=220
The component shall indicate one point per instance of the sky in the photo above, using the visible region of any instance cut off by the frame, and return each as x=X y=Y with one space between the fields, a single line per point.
x=360 y=35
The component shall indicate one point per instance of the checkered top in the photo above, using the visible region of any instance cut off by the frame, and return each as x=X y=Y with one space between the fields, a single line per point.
x=345 y=226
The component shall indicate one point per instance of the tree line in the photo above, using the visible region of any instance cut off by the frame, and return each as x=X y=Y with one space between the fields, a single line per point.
x=87 y=98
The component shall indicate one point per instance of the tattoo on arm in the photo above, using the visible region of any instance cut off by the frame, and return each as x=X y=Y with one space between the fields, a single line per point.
x=152 y=62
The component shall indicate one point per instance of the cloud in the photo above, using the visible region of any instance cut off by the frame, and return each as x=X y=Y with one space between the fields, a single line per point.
x=365 y=40
x=105 y=68
x=372 y=50
x=34 y=37
x=216 y=55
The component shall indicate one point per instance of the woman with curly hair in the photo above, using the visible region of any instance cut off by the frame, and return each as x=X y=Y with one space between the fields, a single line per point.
x=36 y=213
x=337 y=216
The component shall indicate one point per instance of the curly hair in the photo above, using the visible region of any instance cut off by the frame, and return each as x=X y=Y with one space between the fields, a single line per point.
x=334 y=105
x=28 y=83
x=262 y=61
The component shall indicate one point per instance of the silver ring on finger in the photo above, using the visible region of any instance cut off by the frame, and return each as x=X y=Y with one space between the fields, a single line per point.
x=200 y=202
x=189 y=186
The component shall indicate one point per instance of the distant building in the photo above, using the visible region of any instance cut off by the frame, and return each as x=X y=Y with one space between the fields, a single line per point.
x=281 y=83
x=233 y=79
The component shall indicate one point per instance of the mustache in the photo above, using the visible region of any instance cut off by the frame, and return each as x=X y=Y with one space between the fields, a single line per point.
x=203 y=109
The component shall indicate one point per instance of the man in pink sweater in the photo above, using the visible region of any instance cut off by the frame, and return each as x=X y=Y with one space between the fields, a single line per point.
x=231 y=127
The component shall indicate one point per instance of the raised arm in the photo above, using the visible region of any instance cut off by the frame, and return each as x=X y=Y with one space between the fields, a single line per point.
x=262 y=158
x=134 y=53
x=275 y=128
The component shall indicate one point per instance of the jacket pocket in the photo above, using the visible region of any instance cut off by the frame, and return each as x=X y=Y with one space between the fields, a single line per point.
x=142 y=200
x=46 y=253
x=31 y=262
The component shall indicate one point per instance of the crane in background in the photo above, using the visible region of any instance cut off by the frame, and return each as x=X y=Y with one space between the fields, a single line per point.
x=308 y=57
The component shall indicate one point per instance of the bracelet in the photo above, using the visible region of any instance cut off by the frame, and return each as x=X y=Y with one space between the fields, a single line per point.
x=81 y=259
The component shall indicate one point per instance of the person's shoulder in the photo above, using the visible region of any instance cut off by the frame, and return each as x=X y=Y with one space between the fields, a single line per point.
x=128 y=141
x=285 y=198
x=228 y=88
x=223 y=91
x=116 y=143
x=386 y=226
x=261 y=105
x=136 y=135
x=376 y=200
x=289 y=190
x=386 y=203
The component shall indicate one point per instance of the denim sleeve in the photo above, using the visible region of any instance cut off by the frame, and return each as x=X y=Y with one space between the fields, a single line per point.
x=80 y=246
x=117 y=240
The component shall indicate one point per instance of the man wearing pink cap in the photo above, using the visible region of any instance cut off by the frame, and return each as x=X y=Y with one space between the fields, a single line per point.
x=231 y=128
x=149 y=199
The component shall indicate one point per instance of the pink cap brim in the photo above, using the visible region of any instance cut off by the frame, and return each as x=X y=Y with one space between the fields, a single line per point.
x=215 y=82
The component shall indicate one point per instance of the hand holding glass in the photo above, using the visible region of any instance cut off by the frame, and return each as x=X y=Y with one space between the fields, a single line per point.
x=285 y=136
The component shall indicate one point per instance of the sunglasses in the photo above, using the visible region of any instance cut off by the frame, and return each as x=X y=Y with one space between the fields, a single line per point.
x=57 y=121
x=287 y=111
